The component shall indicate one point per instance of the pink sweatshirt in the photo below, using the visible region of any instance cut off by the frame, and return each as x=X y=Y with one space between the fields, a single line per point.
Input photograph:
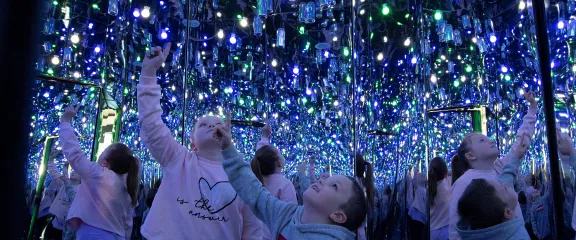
x=102 y=200
x=279 y=187
x=460 y=185
x=195 y=199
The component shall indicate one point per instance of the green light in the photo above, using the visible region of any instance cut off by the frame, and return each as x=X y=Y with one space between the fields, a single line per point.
x=385 y=9
x=95 y=6
x=304 y=100
x=239 y=16
x=438 y=15
x=241 y=101
x=407 y=15
x=235 y=57
x=50 y=71
x=55 y=2
x=346 y=51
x=456 y=83
x=307 y=45
x=138 y=59
x=507 y=77
x=310 y=110
x=301 y=30
x=468 y=68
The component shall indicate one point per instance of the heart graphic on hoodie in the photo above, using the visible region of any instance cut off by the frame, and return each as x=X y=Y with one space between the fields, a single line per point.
x=215 y=197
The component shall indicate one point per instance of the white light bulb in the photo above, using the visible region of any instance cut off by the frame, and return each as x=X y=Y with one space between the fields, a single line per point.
x=334 y=39
x=221 y=34
x=380 y=56
x=76 y=75
x=407 y=42
x=55 y=60
x=244 y=22
x=274 y=63
x=433 y=78
x=75 y=38
x=522 y=5
x=145 y=13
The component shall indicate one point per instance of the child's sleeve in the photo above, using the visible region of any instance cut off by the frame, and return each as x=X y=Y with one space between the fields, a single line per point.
x=155 y=135
x=71 y=149
x=509 y=171
x=304 y=181
x=264 y=141
x=527 y=127
x=457 y=190
x=252 y=227
x=266 y=207
x=54 y=173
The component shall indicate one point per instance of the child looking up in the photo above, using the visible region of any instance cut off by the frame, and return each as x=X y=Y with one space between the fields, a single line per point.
x=267 y=165
x=333 y=209
x=103 y=206
x=195 y=199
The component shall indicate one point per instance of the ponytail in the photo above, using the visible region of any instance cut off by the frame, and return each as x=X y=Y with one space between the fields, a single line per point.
x=132 y=180
x=436 y=172
x=255 y=165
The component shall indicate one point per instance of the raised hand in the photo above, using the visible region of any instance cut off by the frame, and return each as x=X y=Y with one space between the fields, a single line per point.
x=520 y=151
x=224 y=134
x=69 y=113
x=531 y=98
x=302 y=167
x=565 y=143
x=267 y=130
x=154 y=59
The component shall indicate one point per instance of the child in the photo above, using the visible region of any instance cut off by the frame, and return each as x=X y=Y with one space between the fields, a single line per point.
x=195 y=198
x=66 y=192
x=103 y=206
x=477 y=157
x=568 y=156
x=440 y=195
x=332 y=209
x=267 y=165
x=487 y=206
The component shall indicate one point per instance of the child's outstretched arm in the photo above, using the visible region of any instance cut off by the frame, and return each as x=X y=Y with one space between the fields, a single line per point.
x=510 y=170
x=53 y=170
x=312 y=169
x=71 y=148
x=155 y=135
x=267 y=208
x=566 y=149
x=303 y=180
x=266 y=133
x=526 y=130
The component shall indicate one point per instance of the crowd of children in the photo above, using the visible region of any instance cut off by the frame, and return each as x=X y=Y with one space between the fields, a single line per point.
x=209 y=192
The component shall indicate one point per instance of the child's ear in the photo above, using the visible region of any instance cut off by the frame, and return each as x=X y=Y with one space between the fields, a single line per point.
x=470 y=156
x=509 y=214
x=338 y=217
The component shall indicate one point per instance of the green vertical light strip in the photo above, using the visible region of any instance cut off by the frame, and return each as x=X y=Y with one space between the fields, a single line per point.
x=479 y=123
x=40 y=185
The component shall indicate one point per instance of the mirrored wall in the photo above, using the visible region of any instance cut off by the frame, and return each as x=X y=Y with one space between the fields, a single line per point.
x=394 y=84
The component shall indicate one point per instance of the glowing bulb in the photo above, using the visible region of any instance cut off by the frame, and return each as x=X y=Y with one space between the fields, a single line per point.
x=76 y=75
x=75 y=38
x=308 y=91
x=385 y=9
x=438 y=15
x=336 y=103
x=97 y=49
x=407 y=42
x=561 y=25
x=380 y=56
x=385 y=39
x=221 y=34
x=362 y=12
x=244 y=22
x=414 y=60
x=433 y=78
x=493 y=39
x=218 y=14
x=504 y=69
x=521 y=91
x=136 y=12
x=274 y=63
x=295 y=70
x=334 y=39
x=463 y=78
x=55 y=60
x=164 y=35
x=474 y=40
x=233 y=38
x=522 y=5
x=145 y=12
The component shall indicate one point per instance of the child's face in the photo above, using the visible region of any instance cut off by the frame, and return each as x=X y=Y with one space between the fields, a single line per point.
x=326 y=196
x=204 y=132
x=104 y=156
x=324 y=175
x=483 y=147
x=506 y=193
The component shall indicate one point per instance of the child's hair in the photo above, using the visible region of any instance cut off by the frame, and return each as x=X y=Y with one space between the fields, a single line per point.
x=121 y=161
x=459 y=163
x=522 y=197
x=437 y=171
x=359 y=204
x=481 y=193
x=264 y=162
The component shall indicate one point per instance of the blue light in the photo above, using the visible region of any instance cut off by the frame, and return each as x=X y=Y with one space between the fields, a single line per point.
x=90 y=26
x=308 y=91
x=560 y=24
x=161 y=3
x=97 y=49
x=295 y=70
x=233 y=38
x=46 y=94
x=164 y=35
x=136 y=12
x=493 y=38
x=504 y=69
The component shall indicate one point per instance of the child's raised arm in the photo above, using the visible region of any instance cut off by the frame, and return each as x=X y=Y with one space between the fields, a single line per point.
x=266 y=207
x=53 y=170
x=526 y=130
x=303 y=180
x=71 y=147
x=510 y=170
x=155 y=135
x=265 y=139
x=566 y=149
